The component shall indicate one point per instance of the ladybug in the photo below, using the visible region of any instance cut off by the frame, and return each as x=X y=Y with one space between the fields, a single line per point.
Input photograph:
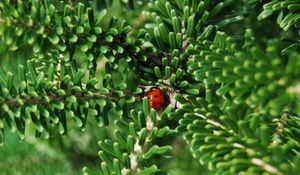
x=156 y=98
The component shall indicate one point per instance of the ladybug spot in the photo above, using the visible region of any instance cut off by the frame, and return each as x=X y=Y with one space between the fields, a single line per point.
x=155 y=96
x=160 y=93
x=148 y=97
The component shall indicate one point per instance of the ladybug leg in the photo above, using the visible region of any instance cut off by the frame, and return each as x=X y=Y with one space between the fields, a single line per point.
x=166 y=100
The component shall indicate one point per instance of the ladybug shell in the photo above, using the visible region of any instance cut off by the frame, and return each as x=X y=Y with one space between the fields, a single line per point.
x=155 y=97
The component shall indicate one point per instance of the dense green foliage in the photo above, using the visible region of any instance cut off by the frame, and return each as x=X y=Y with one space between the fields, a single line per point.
x=229 y=68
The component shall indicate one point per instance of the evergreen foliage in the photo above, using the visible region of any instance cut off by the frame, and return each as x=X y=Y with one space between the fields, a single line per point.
x=232 y=85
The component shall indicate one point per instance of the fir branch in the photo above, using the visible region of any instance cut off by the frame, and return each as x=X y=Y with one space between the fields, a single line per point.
x=28 y=100
x=67 y=30
x=285 y=20
x=42 y=100
x=141 y=130
x=215 y=137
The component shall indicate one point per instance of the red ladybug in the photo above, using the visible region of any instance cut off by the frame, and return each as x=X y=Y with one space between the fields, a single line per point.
x=156 y=98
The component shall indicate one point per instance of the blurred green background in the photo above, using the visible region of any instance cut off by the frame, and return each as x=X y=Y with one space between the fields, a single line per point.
x=69 y=154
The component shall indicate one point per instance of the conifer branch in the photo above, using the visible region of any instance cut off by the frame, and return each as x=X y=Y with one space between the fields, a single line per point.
x=229 y=84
